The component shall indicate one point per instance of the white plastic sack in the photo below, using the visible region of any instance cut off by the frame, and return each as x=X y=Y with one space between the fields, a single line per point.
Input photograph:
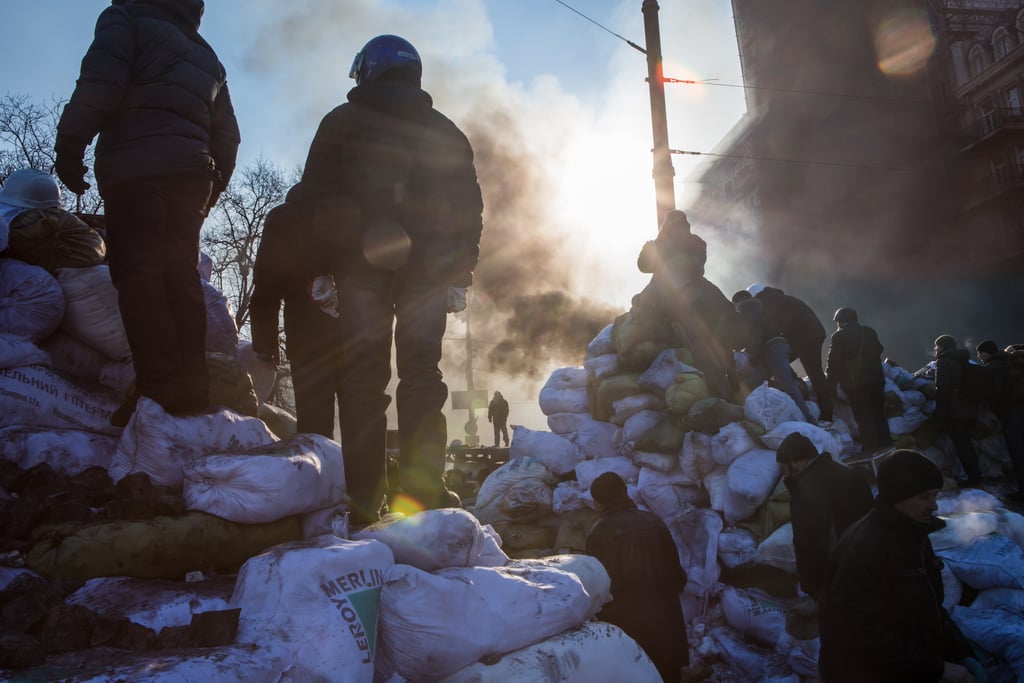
x=823 y=441
x=777 y=550
x=596 y=439
x=662 y=372
x=696 y=533
x=630 y=405
x=519 y=490
x=566 y=424
x=588 y=569
x=35 y=396
x=558 y=453
x=118 y=375
x=770 y=407
x=754 y=614
x=263 y=376
x=1008 y=599
x=227 y=663
x=91 y=313
x=636 y=426
x=600 y=367
x=563 y=400
x=16 y=352
x=667 y=494
x=67 y=451
x=567 y=497
x=161 y=445
x=602 y=344
x=716 y=484
x=731 y=441
x=221 y=330
x=752 y=478
x=960 y=501
x=962 y=529
x=993 y=631
x=696 y=459
x=952 y=589
x=662 y=462
x=574 y=377
x=908 y=422
x=589 y=470
x=31 y=302
x=153 y=603
x=990 y=561
x=320 y=598
x=267 y=483
x=72 y=357
x=435 y=539
x=736 y=546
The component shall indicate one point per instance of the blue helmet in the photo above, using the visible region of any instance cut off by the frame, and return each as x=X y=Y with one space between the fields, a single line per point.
x=382 y=54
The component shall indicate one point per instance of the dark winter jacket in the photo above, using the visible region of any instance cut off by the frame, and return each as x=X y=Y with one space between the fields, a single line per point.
x=675 y=252
x=497 y=410
x=854 y=357
x=950 y=403
x=155 y=93
x=1015 y=374
x=881 y=618
x=640 y=556
x=825 y=499
x=758 y=331
x=998 y=385
x=398 y=159
x=796 y=320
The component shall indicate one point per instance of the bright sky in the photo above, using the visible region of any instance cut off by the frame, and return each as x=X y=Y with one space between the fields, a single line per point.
x=577 y=92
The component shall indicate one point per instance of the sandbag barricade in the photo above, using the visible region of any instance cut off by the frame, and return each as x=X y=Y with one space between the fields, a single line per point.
x=435 y=539
x=32 y=303
x=36 y=396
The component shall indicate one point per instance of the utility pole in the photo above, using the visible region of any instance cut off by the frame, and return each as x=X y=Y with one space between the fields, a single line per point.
x=471 y=429
x=663 y=173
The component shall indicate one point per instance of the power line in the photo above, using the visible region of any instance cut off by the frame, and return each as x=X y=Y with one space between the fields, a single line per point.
x=821 y=93
x=602 y=27
x=803 y=162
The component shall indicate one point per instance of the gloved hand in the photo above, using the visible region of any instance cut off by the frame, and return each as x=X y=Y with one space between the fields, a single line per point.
x=71 y=171
x=456 y=299
x=324 y=293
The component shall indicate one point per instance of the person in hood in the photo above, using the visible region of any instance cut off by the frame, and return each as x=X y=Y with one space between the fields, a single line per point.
x=155 y=94
x=391 y=190
x=954 y=412
x=637 y=550
x=881 y=618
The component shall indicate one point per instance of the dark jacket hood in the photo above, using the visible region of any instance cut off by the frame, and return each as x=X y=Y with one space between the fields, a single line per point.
x=187 y=13
x=768 y=292
x=962 y=355
x=398 y=99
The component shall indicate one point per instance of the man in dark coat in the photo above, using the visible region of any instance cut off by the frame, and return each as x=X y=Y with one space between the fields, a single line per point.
x=826 y=497
x=855 y=363
x=497 y=414
x=415 y=235
x=882 y=618
x=1007 y=405
x=955 y=412
x=155 y=93
x=642 y=561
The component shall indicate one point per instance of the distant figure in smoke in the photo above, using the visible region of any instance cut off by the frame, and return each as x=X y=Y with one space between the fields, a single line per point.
x=854 y=363
x=955 y=413
x=497 y=414
x=402 y=260
x=1007 y=401
x=642 y=561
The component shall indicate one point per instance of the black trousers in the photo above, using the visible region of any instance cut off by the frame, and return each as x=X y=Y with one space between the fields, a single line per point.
x=868 y=405
x=313 y=343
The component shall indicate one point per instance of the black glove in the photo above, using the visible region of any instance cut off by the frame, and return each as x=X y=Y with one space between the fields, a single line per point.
x=71 y=171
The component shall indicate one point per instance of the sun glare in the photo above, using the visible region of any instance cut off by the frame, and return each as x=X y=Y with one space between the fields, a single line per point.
x=904 y=43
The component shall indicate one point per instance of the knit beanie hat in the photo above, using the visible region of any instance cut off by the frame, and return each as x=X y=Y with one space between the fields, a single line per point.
x=906 y=473
x=988 y=346
x=794 y=448
x=609 y=489
x=945 y=342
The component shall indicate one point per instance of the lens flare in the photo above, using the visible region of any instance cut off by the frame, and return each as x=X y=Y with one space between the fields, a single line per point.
x=904 y=43
x=406 y=505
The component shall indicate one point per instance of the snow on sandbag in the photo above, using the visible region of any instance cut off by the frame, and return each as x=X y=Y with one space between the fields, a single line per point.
x=558 y=453
x=67 y=451
x=31 y=301
x=153 y=603
x=990 y=561
x=823 y=441
x=770 y=407
x=751 y=479
x=35 y=396
x=91 y=313
x=696 y=459
x=662 y=372
x=266 y=483
x=589 y=570
x=600 y=367
x=161 y=445
x=777 y=550
x=500 y=609
x=519 y=490
x=589 y=470
x=960 y=501
x=221 y=330
x=626 y=407
x=667 y=493
x=1008 y=599
x=320 y=598
x=595 y=651
x=962 y=529
x=736 y=547
x=596 y=440
x=435 y=539
x=731 y=441
x=73 y=357
x=16 y=352
x=754 y=614
x=566 y=424
x=602 y=344
x=993 y=631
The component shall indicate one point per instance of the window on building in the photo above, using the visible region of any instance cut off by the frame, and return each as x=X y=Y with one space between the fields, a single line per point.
x=976 y=60
x=1001 y=44
x=1020 y=25
x=1013 y=99
x=987 y=116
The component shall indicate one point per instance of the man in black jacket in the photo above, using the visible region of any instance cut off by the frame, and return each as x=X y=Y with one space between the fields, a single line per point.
x=642 y=561
x=855 y=363
x=155 y=93
x=955 y=412
x=1007 y=406
x=413 y=237
x=882 y=618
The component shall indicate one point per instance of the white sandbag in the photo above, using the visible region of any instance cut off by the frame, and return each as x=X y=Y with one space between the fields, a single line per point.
x=602 y=344
x=153 y=603
x=558 y=454
x=589 y=470
x=221 y=330
x=161 y=445
x=696 y=533
x=263 y=376
x=589 y=570
x=9 y=574
x=600 y=367
x=628 y=406
x=736 y=547
x=564 y=400
x=960 y=501
x=754 y=614
x=900 y=377
x=662 y=372
x=752 y=477
x=962 y=529
x=566 y=424
x=519 y=490
x=993 y=631
x=31 y=301
x=770 y=407
x=801 y=655
x=595 y=651
x=91 y=311
x=731 y=441
x=227 y=663
x=35 y=396
x=1008 y=599
x=696 y=459
x=908 y=422
x=282 y=423
x=952 y=589
x=329 y=521
x=596 y=439
x=118 y=375
x=667 y=494
x=662 y=462
x=746 y=661
x=267 y=483
x=16 y=352
x=73 y=357
x=67 y=451
x=777 y=550
x=574 y=377
x=568 y=496
x=435 y=539
x=636 y=426
x=716 y=484
x=320 y=597
x=500 y=609
x=823 y=441
x=990 y=561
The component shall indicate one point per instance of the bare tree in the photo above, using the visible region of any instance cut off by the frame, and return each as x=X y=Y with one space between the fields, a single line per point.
x=233 y=229
x=28 y=131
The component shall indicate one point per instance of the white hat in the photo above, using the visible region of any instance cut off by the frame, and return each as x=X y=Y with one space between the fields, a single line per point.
x=755 y=289
x=30 y=189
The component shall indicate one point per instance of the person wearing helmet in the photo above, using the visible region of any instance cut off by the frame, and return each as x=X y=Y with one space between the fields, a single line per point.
x=854 y=363
x=391 y=190
x=155 y=94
